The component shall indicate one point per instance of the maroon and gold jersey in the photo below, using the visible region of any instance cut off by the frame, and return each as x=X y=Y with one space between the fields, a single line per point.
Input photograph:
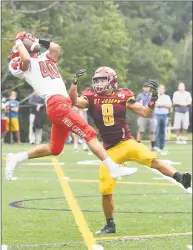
x=109 y=114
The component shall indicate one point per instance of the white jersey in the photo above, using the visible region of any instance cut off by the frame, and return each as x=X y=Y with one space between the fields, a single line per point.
x=42 y=75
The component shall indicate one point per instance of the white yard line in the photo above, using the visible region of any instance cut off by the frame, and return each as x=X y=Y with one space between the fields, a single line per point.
x=42 y=164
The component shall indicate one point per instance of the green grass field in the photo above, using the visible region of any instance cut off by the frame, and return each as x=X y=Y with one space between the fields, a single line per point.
x=49 y=212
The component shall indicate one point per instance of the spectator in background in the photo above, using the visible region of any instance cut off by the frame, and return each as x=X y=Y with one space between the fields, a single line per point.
x=163 y=106
x=12 y=122
x=181 y=100
x=146 y=123
x=3 y=118
x=83 y=113
x=36 y=119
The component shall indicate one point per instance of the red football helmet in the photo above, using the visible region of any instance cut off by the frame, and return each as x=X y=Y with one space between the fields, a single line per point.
x=104 y=79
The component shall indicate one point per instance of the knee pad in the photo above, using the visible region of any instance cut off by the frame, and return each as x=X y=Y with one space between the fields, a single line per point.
x=55 y=149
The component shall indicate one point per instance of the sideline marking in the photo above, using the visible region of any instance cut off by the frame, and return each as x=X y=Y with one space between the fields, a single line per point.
x=42 y=163
x=189 y=190
x=101 y=240
x=126 y=182
x=77 y=213
x=145 y=236
x=95 y=181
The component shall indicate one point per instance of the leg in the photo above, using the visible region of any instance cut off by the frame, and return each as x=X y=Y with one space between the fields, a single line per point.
x=75 y=142
x=185 y=125
x=31 y=132
x=177 y=126
x=163 y=131
x=119 y=153
x=151 y=123
x=168 y=170
x=3 y=129
x=140 y=136
x=157 y=136
x=58 y=136
x=108 y=205
x=38 y=135
x=141 y=122
x=143 y=155
x=60 y=111
x=18 y=136
x=15 y=128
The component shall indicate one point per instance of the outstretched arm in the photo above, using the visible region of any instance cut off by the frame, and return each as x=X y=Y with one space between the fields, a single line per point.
x=138 y=108
x=79 y=102
x=24 y=54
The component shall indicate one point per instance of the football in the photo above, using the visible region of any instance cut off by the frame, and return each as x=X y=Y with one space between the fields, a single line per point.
x=31 y=45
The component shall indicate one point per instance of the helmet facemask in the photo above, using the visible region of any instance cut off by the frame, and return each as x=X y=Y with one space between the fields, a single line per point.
x=101 y=84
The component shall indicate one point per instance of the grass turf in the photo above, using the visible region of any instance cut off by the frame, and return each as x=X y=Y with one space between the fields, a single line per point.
x=145 y=204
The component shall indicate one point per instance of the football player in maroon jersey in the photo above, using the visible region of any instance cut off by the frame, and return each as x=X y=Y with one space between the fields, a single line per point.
x=107 y=105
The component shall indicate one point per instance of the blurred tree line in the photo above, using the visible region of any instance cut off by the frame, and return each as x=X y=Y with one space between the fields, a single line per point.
x=140 y=40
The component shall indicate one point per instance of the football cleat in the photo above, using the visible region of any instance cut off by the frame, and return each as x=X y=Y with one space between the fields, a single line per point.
x=185 y=180
x=122 y=171
x=11 y=163
x=108 y=229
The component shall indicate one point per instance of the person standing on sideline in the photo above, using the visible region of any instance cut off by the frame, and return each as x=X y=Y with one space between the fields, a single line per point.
x=163 y=106
x=83 y=114
x=35 y=132
x=181 y=100
x=3 y=118
x=143 y=122
x=12 y=114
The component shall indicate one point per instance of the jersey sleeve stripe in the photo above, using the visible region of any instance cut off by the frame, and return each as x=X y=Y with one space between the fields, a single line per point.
x=132 y=97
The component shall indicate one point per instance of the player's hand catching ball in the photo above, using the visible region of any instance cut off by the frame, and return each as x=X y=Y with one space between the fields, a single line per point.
x=78 y=73
x=21 y=35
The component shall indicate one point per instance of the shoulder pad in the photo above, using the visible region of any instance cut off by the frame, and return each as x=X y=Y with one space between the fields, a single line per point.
x=127 y=92
x=88 y=92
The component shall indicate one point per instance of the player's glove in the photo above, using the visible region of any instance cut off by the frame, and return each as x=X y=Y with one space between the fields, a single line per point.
x=153 y=86
x=31 y=37
x=78 y=73
x=21 y=35
x=154 y=89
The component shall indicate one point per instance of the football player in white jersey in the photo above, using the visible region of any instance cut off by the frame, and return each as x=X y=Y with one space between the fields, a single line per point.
x=42 y=74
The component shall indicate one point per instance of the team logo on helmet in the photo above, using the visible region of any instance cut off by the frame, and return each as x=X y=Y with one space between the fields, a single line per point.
x=104 y=79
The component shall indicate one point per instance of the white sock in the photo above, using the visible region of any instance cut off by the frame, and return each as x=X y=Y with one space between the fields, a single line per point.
x=22 y=156
x=110 y=164
x=75 y=146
